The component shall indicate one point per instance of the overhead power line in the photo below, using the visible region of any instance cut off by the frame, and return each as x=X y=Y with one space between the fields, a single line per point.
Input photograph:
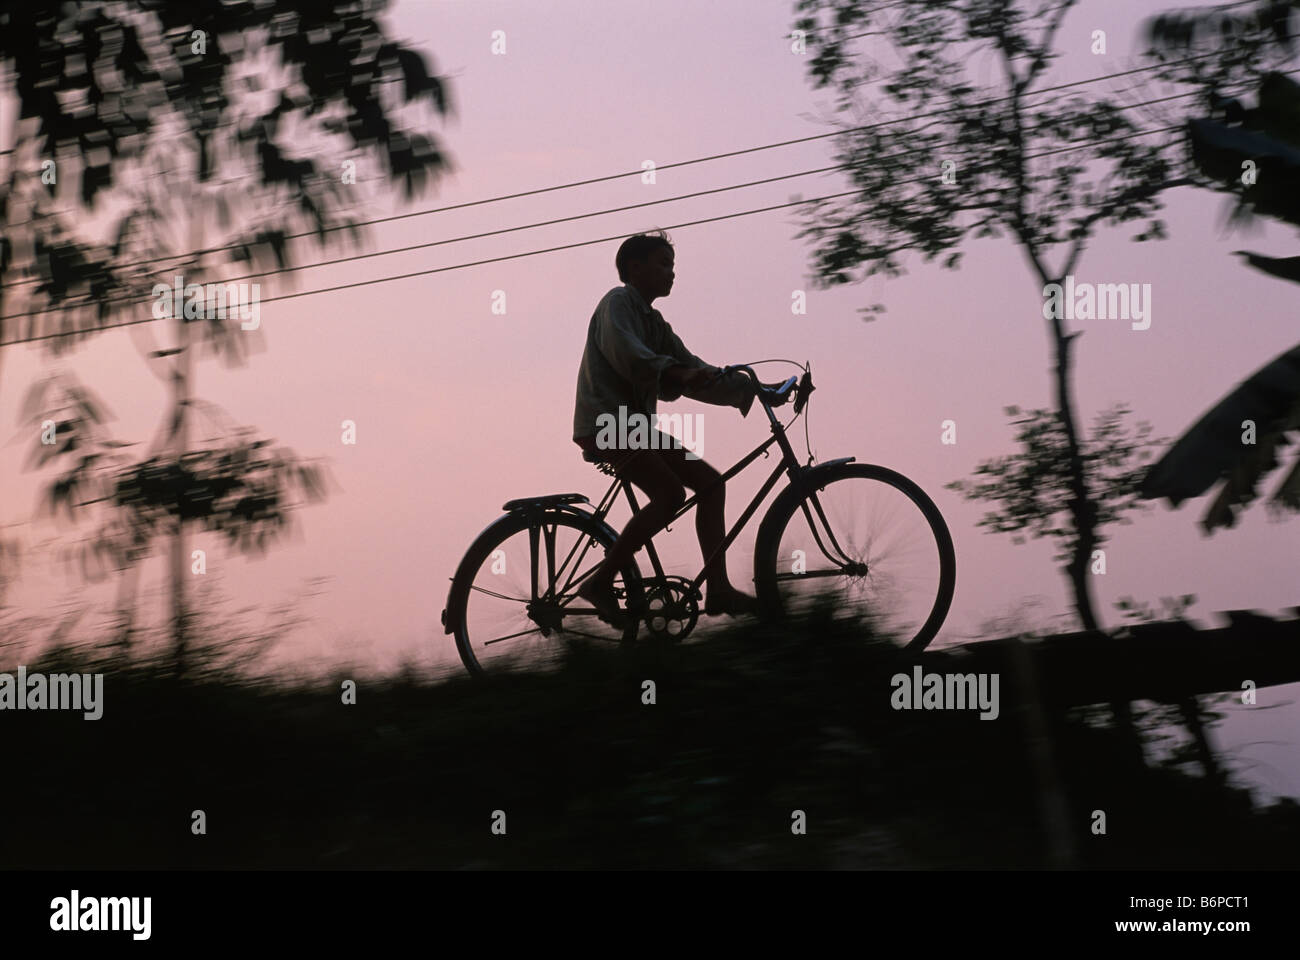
x=567 y=246
x=546 y=223
x=667 y=166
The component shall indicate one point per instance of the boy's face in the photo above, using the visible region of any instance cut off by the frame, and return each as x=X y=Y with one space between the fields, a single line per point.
x=653 y=276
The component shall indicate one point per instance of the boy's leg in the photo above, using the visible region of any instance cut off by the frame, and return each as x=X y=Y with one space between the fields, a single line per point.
x=710 y=525
x=661 y=474
x=649 y=470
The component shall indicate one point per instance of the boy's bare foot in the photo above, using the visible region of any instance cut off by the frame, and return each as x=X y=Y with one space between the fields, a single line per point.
x=600 y=594
x=729 y=601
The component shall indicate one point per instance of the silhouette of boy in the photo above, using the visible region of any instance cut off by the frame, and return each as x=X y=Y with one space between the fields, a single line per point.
x=631 y=360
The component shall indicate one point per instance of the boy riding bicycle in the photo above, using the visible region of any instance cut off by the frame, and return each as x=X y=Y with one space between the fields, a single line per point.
x=631 y=360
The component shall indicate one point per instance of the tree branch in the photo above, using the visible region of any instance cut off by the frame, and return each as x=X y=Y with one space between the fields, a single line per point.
x=1134 y=194
x=1040 y=59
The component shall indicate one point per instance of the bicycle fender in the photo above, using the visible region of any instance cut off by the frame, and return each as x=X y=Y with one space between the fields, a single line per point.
x=465 y=571
x=795 y=490
x=817 y=471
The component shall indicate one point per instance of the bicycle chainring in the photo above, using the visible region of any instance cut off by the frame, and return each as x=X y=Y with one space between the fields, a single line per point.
x=671 y=608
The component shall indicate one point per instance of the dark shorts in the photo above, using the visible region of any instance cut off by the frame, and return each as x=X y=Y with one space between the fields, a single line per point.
x=619 y=458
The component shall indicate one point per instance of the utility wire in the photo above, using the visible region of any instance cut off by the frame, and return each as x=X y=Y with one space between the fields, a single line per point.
x=567 y=246
x=546 y=223
x=668 y=166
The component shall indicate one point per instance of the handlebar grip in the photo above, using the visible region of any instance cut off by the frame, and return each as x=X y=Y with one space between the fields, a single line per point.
x=805 y=388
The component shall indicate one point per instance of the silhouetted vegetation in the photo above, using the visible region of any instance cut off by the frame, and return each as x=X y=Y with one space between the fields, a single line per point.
x=221 y=137
x=751 y=723
x=979 y=145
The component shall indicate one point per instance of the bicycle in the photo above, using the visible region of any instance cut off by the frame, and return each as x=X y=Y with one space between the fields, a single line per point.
x=903 y=579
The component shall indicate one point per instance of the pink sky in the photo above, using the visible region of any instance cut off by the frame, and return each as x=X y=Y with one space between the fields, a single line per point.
x=459 y=409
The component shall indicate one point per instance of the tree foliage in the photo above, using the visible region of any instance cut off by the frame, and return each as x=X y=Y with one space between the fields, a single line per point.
x=238 y=486
x=1044 y=168
x=254 y=104
x=1031 y=486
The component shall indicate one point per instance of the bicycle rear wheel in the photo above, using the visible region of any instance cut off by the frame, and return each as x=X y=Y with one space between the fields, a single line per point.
x=513 y=600
x=865 y=539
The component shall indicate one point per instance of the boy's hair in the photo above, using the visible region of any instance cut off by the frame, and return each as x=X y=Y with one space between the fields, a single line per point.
x=638 y=248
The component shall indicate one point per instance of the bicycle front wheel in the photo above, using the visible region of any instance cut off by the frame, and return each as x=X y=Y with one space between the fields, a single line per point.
x=865 y=539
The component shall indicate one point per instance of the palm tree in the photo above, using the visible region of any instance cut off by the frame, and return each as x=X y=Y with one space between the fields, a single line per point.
x=1254 y=154
x=1237 y=443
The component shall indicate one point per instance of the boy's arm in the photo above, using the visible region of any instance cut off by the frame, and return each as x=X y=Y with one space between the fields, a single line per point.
x=733 y=390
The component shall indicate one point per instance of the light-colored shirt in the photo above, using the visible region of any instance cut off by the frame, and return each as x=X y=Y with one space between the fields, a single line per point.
x=629 y=346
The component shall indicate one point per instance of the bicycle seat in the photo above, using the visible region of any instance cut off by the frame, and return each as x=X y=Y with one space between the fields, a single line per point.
x=604 y=466
x=544 y=501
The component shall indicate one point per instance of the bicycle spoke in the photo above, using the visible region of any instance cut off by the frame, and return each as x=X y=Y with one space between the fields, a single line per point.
x=810 y=575
x=493 y=593
x=521 y=633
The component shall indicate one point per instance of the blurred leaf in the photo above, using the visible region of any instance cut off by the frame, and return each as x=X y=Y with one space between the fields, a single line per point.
x=33 y=402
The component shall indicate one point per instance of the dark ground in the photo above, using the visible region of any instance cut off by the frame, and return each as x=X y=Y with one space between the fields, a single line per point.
x=751 y=724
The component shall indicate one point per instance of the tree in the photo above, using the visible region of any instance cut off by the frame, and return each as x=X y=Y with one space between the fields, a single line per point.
x=1032 y=486
x=266 y=103
x=1234 y=39
x=1253 y=155
x=245 y=115
x=951 y=162
x=237 y=485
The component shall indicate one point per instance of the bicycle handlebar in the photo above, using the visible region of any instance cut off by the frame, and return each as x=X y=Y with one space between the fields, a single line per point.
x=801 y=397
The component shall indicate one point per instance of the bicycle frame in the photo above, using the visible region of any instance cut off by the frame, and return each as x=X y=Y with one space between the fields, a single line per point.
x=789 y=464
